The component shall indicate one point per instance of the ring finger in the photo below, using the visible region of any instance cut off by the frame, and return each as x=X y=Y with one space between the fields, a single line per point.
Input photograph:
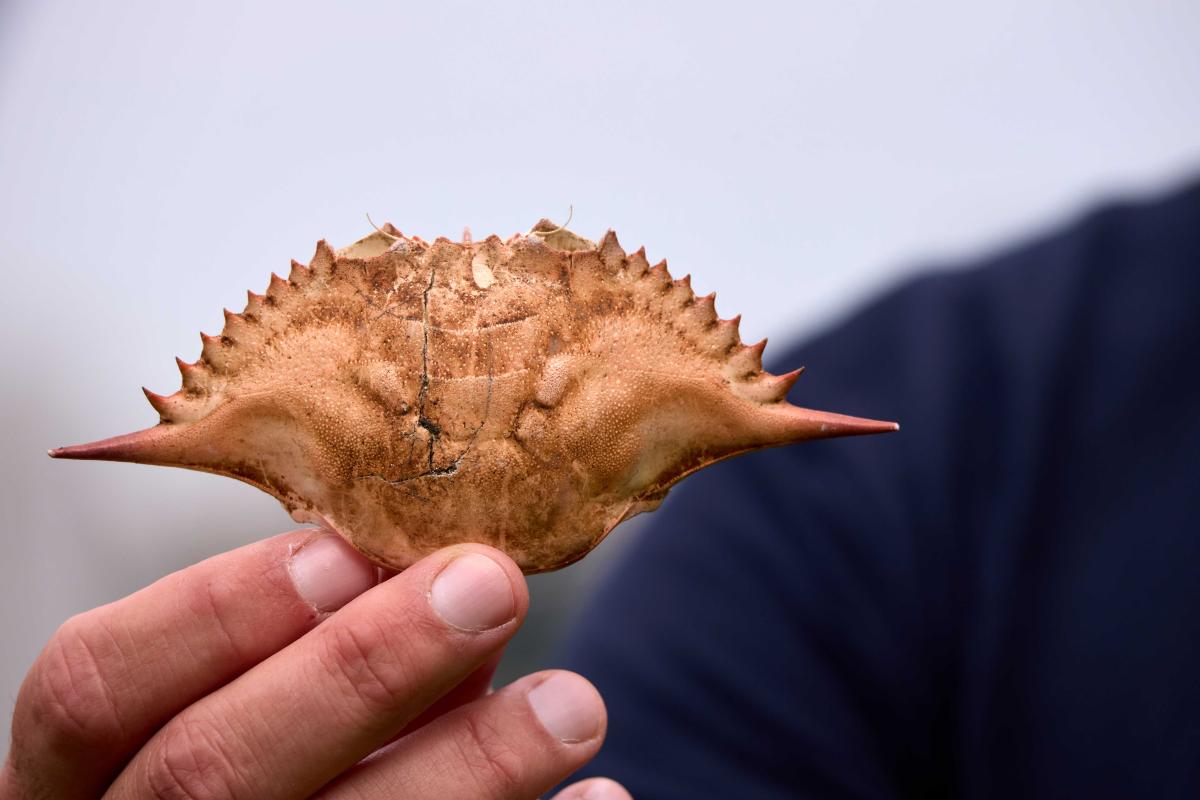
x=511 y=745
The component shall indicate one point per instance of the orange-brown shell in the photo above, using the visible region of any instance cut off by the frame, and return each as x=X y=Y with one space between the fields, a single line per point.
x=529 y=393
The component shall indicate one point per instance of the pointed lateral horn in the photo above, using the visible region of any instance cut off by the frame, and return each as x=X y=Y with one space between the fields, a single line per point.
x=794 y=424
x=150 y=446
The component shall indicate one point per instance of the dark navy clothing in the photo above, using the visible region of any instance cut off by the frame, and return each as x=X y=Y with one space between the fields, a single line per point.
x=1002 y=600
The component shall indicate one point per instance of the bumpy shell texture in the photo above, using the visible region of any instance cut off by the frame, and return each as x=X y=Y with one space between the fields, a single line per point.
x=530 y=394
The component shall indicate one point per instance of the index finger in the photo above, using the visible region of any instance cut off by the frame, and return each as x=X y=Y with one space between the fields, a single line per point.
x=110 y=677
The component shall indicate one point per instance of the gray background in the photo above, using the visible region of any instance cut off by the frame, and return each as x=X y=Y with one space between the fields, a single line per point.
x=156 y=159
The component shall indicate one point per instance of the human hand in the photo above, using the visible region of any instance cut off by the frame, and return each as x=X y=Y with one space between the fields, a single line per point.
x=233 y=678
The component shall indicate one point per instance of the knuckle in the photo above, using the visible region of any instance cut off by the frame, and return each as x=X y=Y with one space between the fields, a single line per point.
x=68 y=696
x=190 y=763
x=362 y=658
x=495 y=763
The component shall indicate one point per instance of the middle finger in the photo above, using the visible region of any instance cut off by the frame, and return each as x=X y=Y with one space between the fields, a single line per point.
x=295 y=721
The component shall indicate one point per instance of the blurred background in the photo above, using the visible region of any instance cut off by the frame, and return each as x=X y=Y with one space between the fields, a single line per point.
x=158 y=159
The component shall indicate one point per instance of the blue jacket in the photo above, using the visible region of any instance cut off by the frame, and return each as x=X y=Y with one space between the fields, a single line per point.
x=1002 y=600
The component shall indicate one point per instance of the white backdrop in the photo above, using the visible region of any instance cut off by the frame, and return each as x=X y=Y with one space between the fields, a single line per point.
x=157 y=159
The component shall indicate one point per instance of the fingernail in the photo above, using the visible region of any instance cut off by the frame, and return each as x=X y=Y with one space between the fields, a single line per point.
x=567 y=706
x=328 y=573
x=473 y=593
x=604 y=789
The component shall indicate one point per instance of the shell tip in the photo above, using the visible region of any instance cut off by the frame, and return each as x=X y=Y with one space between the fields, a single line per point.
x=807 y=423
x=143 y=446
x=870 y=426
x=72 y=451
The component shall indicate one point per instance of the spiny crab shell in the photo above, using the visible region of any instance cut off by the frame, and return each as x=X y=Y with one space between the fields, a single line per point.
x=530 y=394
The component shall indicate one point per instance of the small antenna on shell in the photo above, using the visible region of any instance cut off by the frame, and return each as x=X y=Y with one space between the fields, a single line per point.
x=381 y=230
x=570 y=214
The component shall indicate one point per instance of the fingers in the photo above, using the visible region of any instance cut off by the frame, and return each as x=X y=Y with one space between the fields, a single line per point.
x=594 y=789
x=513 y=744
x=292 y=723
x=110 y=677
x=474 y=686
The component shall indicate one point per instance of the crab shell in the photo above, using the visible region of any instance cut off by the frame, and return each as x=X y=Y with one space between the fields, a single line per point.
x=529 y=394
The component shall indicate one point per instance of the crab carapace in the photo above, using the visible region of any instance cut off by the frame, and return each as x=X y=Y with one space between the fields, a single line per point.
x=528 y=393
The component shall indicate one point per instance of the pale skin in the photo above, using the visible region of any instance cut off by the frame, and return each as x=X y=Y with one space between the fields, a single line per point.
x=291 y=668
